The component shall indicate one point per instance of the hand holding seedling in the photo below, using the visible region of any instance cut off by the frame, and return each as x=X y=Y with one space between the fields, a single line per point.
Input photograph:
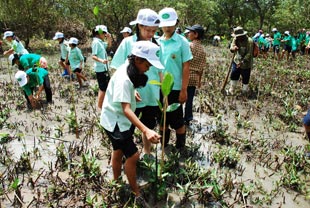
x=152 y=136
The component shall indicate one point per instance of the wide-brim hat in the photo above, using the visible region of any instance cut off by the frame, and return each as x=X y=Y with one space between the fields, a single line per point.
x=148 y=51
x=73 y=41
x=238 y=31
x=21 y=78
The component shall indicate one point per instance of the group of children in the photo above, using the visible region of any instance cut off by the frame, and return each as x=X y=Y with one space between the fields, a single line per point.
x=290 y=43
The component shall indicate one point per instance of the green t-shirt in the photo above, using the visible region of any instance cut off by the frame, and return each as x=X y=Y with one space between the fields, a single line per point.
x=99 y=49
x=35 y=79
x=277 y=38
x=75 y=58
x=288 y=40
x=18 y=47
x=29 y=60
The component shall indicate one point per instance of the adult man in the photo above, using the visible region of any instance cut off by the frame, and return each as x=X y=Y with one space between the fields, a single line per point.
x=242 y=46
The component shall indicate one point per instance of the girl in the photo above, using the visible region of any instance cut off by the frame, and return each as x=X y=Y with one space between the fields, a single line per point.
x=118 y=108
x=16 y=45
x=76 y=60
x=64 y=50
x=147 y=23
x=99 y=55
x=126 y=32
x=175 y=55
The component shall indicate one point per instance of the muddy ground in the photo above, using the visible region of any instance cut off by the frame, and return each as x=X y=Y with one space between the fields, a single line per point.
x=258 y=130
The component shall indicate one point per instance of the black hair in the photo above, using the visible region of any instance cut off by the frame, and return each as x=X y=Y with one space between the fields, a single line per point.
x=138 y=80
x=138 y=34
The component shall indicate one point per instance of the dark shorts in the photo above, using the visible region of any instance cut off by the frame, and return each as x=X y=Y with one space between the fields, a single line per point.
x=237 y=72
x=276 y=48
x=77 y=70
x=149 y=115
x=103 y=80
x=174 y=118
x=122 y=141
x=61 y=59
x=306 y=120
x=288 y=48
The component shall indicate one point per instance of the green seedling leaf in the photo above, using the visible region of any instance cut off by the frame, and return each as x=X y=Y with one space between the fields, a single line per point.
x=96 y=10
x=154 y=82
x=173 y=107
x=15 y=183
x=167 y=84
x=160 y=105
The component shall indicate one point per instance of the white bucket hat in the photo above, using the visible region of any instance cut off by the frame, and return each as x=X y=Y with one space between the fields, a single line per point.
x=73 y=41
x=8 y=34
x=146 y=17
x=58 y=35
x=287 y=32
x=103 y=28
x=126 y=29
x=168 y=17
x=274 y=29
x=148 y=51
x=21 y=78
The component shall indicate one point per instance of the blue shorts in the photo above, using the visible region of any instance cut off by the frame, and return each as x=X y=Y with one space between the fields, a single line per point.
x=306 y=119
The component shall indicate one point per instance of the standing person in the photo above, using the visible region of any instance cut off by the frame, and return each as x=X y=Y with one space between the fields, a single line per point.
x=147 y=23
x=301 y=40
x=76 y=60
x=276 y=43
x=117 y=116
x=176 y=56
x=16 y=45
x=196 y=68
x=287 y=40
x=27 y=61
x=242 y=46
x=126 y=32
x=99 y=55
x=29 y=80
x=64 y=50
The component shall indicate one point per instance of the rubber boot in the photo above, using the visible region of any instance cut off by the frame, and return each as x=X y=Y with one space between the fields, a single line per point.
x=233 y=84
x=167 y=137
x=180 y=143
x=245 y=88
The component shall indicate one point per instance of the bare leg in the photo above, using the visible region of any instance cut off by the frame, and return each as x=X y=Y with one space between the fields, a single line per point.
x=100 y=98
x=131 y=172
x=117 y=156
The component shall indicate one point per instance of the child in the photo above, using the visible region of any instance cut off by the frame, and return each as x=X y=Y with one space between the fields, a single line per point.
x=99 y=55
x=146 y=23
x=287 y=40
x=76 y=60
x=27 y=61
x=117 y=116
x=126 y=32
x=29 y=80
x=175 y=55
x=16 y=45
x=64 y=50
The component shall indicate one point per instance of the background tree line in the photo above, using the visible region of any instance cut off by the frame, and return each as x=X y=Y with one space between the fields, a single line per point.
x=41 y=19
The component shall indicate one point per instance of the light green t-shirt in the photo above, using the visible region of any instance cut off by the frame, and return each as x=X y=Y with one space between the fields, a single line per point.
x=19 y=48
x=173 y=53
x=35 y=79
x=120 y=90
x=150 y=93
x=64 y=49
x=99 y=49
x=75 y=57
